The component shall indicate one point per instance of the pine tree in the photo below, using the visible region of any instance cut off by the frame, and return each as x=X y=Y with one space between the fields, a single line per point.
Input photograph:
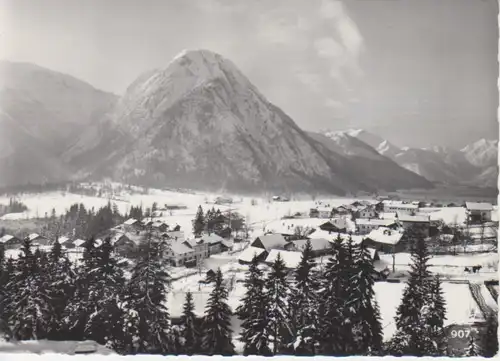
x=413 y=336
x=471 y=348
x=304 y=304
x=104 y=324
x=217 y=333
x=29 y=306
x=364 y=311
x=253 y=313
x=335 y=333
x=78 y=308
x=490 y=339
x=61 y=280
x=146 y=320
x=436 y=315
x=189 y=331
x=199 y=222
x=278 y=312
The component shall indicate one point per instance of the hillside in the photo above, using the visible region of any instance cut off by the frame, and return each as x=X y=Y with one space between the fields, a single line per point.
x=43 y=112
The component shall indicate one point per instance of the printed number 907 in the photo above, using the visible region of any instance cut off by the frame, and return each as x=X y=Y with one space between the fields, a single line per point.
x=460 y=333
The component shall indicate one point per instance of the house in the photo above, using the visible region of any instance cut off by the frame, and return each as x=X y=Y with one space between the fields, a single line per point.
x=365 y=226
x=214 y=243
x=160 y=226
x=478 y=212
x=36 y=239
x=290 y=259
x=122 y=244
x=223 y=200
x=320 y=246
x=270 y=241
x=342 y=210
x=400 y=207
x=385 y=240
x=10 y=242
x=321 y=212
x=226 y=245
x=367 y=212
x=421 y=221
x=175 y=235
x=280 y=199
x=79 y=242
x=199 y=247
x=248 y=254
x=132 y=225
x=179 y=254
x=336 y=225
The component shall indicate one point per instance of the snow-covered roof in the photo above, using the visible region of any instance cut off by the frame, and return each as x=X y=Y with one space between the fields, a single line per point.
x=388 y=215
x=79 y=242
x=98 y=242
x=400 y=204
x=272 y=240
x=317 y=244
x=374 y=222
x=475 y=206
x=34 y=236
x=175 y=234
x=180 y=248
x=130 y=221
x=385 y=236
x=248 y=254
x=212 y=238
x=63 y=239
x=290 y=258
x=7 y=238
x=319 y=233
x=416 y=218
x=117 y=237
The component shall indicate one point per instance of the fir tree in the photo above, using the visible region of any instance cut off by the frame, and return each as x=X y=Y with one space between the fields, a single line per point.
x=436 y=315
x=29 y=308
x=217 y=338
x=489 y=345
x=304 y=304
x=364 y=311
x=471 y=348
x=413 y=336
x=189 y=331
x=279 y=326
x=253 y=313
x=199 y=222
x=61 y=278
x=104 y=324
x=146 y=320
x=335 y=333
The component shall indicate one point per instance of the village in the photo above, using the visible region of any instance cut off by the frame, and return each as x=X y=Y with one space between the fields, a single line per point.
x=462 y=241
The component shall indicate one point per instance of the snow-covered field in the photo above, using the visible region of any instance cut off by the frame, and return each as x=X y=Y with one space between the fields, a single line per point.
x=450 y=266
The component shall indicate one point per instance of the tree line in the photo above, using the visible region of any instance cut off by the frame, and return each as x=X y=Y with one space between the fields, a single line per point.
x=314 y=310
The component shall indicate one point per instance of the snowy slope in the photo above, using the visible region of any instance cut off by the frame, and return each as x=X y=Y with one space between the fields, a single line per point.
x=483 y=153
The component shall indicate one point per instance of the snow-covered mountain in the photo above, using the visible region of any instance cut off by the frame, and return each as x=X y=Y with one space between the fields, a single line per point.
x=475 y=164
x=200 y=123
x=42 y=113
x=483 y=153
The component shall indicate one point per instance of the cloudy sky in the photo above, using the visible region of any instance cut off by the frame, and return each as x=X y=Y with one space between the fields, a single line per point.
x=418 y=72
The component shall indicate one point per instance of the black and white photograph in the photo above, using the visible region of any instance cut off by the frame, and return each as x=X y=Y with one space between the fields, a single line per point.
x=249 y=178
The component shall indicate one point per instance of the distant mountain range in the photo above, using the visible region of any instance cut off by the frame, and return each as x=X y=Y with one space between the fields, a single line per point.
x=476 y=164
x=197 y=123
